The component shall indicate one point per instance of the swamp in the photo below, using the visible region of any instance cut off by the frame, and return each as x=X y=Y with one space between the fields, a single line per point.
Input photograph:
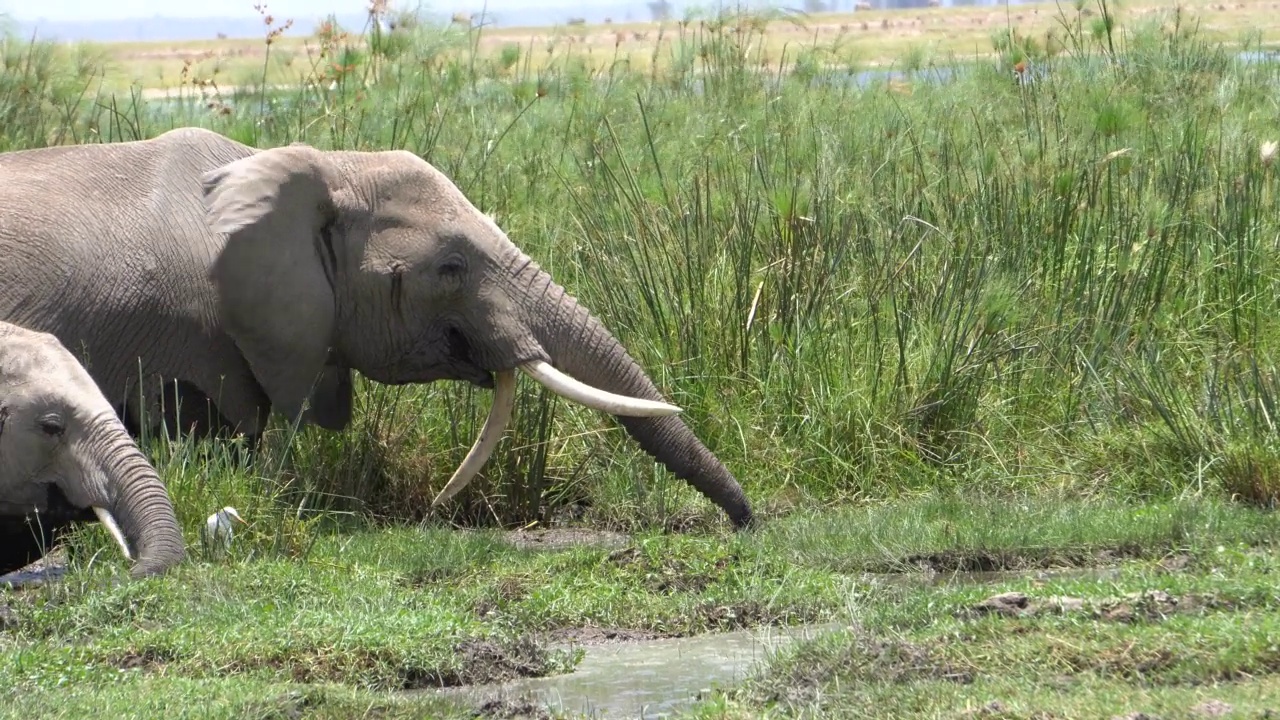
x=986 y=327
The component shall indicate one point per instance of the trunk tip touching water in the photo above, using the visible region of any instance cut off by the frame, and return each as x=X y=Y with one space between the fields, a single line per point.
x=584 y=362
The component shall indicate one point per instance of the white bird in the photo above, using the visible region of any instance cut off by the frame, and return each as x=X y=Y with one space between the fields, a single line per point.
x=217 y=527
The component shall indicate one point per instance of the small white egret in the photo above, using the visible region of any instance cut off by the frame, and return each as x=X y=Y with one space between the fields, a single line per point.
x=217 y=528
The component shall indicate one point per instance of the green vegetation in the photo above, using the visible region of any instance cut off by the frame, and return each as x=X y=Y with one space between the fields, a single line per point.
x=371 y=613
x=942 y=319
x=1190 y=637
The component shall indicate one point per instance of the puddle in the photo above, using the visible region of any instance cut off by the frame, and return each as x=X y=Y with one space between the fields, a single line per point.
x=649 y=679
x=654 y=678
x=37 y=573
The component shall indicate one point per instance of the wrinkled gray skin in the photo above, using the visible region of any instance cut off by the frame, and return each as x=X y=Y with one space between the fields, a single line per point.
x=260 y=279
x=63 y=451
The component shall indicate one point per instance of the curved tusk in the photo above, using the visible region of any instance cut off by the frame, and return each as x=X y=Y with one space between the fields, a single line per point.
x=504 y=399
x=105 y=518
x=594 y=397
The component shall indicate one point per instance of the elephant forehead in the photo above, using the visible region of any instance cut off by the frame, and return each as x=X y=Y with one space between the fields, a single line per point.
x=419 y=202
x=22 y=357
x=39 y=369
x=419 y=191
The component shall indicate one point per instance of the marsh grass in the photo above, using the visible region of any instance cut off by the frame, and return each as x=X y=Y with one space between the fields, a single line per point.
x=1195 y=641
x=858 y=287
x=369 y=613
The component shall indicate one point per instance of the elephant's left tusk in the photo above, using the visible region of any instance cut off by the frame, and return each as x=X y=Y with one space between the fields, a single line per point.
x=594 y=397
x=105 y=518
x=504 y=399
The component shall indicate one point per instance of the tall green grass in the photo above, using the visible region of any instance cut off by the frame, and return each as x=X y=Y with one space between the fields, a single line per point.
x=857 y=289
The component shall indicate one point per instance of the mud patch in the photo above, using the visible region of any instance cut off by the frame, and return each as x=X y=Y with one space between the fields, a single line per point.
x=565 y=538
x=1148 y=606
x=1015 y=559
x=511 y=709
x=601 y=636
x=667 y=575
x=481 y=662
x=471 y=661
x=146 y=660
x=748 y=614
x=1212 y=708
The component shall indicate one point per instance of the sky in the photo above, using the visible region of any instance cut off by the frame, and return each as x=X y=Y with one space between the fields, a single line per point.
x=62 y=10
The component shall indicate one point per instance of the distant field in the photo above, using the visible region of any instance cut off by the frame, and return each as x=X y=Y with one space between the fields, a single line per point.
x=870 y=38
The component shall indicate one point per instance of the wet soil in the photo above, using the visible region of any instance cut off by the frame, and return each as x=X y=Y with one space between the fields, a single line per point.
x=522 y=708
x=1146 y=606
x=476 y=661
x=484 y=661
x=564 y=538
x=600 y=636
x=1020 y=559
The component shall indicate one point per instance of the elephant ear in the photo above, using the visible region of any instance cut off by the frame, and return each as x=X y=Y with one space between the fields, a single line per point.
x=275 y=296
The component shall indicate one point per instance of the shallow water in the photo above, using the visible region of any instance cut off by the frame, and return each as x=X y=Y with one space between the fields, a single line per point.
x=655 y=678
x=33 y=575
x=650 y=678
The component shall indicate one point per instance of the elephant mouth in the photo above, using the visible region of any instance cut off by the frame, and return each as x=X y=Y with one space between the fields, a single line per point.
x=450 y=356
x=461 y=356
x=55 y=512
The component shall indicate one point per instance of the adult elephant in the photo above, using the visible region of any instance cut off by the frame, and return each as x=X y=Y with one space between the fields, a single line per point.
x=65 y=457
x=259 y=279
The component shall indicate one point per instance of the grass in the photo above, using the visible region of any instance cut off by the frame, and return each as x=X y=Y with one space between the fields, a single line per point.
x=375 y=612
x=1145 y=638
x=1011 y=311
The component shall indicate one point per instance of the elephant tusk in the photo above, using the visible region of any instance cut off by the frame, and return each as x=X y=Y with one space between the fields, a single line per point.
x=105 y=518
x=504 y=399
x=594 y=397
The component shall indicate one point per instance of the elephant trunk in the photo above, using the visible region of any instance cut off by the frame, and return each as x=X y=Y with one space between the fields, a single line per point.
x=125 y=489
x=580 y=346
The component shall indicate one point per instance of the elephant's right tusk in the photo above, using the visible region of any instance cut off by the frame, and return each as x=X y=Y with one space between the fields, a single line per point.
x=594 y=397
x=105 y=518
x=504 y=399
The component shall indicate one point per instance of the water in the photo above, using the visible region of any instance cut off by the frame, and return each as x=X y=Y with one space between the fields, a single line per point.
x=33 y=575
x=655 y=678
x=647 y=679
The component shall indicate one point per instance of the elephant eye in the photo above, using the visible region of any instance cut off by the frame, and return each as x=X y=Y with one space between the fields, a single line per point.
x=453 y=266
x=52 y=425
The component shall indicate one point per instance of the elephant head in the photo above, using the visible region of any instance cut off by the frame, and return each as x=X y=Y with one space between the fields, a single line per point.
x=64 y=452
x=376 y=261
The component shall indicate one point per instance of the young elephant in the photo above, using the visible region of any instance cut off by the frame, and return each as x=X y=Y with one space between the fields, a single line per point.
x=66 y=457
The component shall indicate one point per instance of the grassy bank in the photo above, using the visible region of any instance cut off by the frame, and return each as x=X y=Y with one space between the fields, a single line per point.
x=857 y=290
x=1189 y=636
x=369 y=614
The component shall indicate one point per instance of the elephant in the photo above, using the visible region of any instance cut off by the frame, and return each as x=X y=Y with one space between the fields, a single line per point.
x=243 y=281
x=66 y=457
